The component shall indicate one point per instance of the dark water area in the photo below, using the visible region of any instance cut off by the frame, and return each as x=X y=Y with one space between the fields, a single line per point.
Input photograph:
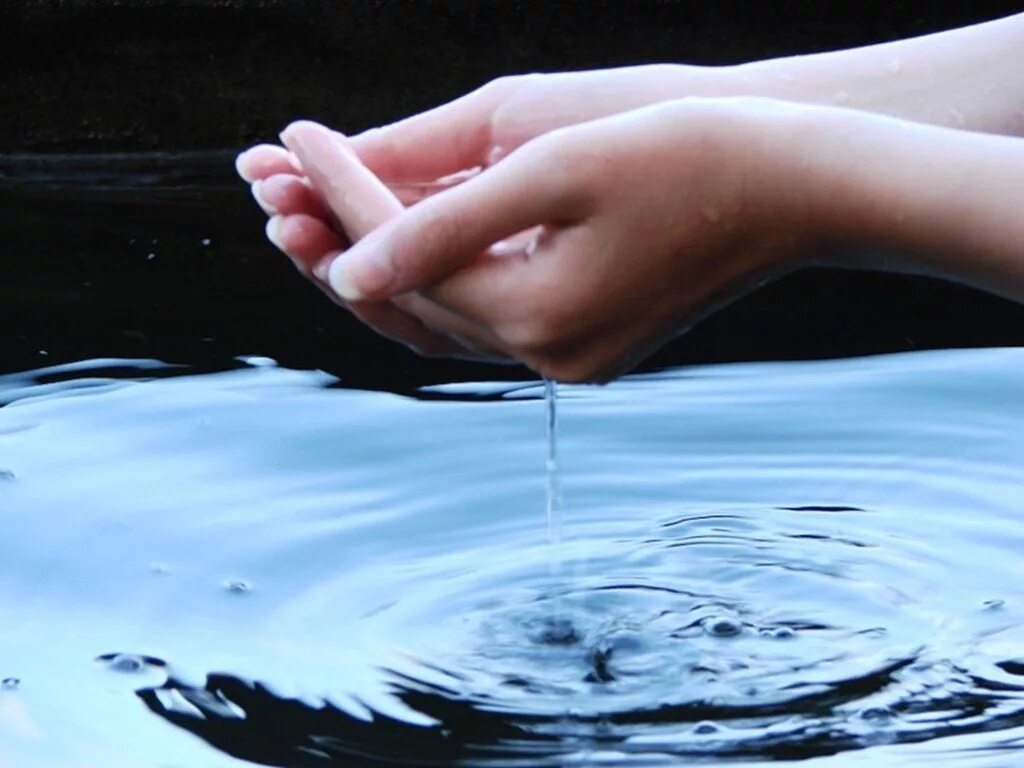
x=767 y=562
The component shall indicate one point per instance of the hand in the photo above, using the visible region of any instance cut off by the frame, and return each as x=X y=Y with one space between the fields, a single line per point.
x=432 y=151
x=313 y=225
x=642 y=223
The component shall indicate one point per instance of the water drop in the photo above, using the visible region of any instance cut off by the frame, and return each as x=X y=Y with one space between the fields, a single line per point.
x=206 y=241
x=10 y=683
x=956 y=117
x=988 y=605
x=158 y=568
x=237 y=586
x=722 y=626
x=841 y=97
x=150 y=256
x=154 y=241
x=894 y=67
x=707 y=728
x=711 y=213
x=6 y=474
x=44 y=353
x=126 y=662
x=779 y=633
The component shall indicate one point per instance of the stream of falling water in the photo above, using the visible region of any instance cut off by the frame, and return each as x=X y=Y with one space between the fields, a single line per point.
x=554 y=489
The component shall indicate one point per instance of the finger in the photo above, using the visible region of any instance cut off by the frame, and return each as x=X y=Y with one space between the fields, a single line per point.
x=305 y=239
x=389 y=321
x=265 y=160
x=287 y=194
x=450 y=138
x=448 y=230
x=356 y=196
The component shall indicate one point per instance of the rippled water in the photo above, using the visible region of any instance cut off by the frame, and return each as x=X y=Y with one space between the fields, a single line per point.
x=761 y=563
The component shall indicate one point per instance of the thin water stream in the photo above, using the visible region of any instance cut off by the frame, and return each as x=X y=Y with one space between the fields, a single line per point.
x=554 y=485
x=817 y=562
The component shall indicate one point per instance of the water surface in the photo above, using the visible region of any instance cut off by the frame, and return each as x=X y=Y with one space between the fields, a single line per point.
x=758 y=563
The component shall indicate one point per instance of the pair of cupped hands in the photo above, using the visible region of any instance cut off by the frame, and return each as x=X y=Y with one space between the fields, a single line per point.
x=571 y=222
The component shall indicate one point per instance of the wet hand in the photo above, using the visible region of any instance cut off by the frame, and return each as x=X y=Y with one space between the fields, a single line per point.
x=638 y=225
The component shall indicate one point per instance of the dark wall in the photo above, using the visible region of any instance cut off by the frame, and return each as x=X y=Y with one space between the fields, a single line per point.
x=149 y=80
x=187 y=74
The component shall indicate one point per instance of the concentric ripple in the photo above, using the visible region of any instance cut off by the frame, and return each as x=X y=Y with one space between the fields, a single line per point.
x=759 y=563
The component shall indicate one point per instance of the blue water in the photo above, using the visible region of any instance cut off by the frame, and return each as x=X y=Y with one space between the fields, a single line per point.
x=758 y=563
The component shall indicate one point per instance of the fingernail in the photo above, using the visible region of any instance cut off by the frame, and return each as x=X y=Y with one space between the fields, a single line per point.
x=239 y=167
x=365 y=271
x=257 y=193
x=274 y=230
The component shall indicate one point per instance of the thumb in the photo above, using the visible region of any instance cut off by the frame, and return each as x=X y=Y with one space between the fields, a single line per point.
x=429 y=241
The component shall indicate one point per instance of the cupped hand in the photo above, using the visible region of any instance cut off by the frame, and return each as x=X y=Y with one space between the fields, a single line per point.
x=432 y=151
x=314 y=224
x=642 y=223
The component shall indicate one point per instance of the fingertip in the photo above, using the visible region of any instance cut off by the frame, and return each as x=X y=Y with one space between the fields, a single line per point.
x=242 y=168
x=339 y=277
x=297 y=126
x=273 y=230
x=257 y=194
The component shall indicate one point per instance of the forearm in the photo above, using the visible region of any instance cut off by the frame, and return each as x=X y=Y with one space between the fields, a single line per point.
x=900 y=196
x=967 y=78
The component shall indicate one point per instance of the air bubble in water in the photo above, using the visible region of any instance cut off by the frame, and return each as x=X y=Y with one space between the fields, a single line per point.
x=722 y=626
x=707 y=728
x=779 y=633
x=10 y=683
x=988 y=605
x=237 y=586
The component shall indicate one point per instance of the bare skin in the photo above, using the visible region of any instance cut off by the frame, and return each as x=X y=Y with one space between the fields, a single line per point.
x=650 y=218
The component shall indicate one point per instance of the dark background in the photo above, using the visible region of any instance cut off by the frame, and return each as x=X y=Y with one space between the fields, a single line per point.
x=126 y=234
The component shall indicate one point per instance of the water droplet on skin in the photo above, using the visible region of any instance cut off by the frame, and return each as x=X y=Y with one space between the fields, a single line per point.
x=707 y=728
x=237 y=586
x=894 y=67
x=10 y=683
x=722 y=626
x=6 y=474
x=124 y=662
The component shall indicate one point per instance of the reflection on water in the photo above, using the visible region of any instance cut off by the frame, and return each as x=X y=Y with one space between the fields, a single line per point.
x=761 y=563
